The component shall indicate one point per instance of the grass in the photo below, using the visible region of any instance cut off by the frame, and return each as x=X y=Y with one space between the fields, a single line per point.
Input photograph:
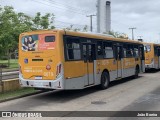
x=13 y=63
x=16 y=93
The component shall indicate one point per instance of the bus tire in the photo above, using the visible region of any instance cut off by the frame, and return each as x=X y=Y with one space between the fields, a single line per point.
x=136 y=72
x=104 y=81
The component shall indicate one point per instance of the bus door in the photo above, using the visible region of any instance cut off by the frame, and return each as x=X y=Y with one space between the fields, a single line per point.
x=89 y=57
x=142 y=56
x=119 y=61
x=158 y=57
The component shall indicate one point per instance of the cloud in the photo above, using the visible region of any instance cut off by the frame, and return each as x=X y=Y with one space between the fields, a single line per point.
x=142 y=14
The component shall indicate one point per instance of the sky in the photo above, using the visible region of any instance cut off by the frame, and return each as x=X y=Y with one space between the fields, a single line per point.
x=141 y=14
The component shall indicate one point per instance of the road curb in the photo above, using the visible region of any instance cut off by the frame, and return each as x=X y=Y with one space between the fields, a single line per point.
x=22 y=96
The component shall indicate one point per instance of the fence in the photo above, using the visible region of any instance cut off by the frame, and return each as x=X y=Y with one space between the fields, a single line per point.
x=6 y=73
x=5 y=83
x=1 y=76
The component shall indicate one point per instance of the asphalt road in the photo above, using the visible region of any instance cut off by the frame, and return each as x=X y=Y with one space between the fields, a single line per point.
x=142 y=94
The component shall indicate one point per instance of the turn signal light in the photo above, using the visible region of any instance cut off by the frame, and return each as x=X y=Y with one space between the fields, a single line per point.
x=59 y=67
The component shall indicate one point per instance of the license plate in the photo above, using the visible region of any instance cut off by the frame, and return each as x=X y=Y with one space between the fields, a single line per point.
x=38 y=78
x=38 y=84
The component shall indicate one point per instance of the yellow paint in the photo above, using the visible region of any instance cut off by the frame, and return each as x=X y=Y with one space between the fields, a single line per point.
x=150 y=56
x=72 y=69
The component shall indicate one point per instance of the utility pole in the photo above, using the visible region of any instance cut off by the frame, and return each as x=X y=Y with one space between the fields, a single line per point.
x=91 y=17
x=132 y=32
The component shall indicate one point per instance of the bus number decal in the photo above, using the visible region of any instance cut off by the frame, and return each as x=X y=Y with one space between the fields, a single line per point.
x=48 y=74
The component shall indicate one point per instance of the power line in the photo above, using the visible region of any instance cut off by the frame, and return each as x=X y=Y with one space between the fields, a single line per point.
x=53 y=5
x=58 y=6
x=66 y=5
x=65 y=24
x=70 y=23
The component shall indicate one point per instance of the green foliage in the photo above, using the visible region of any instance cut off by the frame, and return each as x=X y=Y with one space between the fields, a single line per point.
x=12 y=24
x=71 y=27
x=43 y=22
x=117 y=34
x=85 y=29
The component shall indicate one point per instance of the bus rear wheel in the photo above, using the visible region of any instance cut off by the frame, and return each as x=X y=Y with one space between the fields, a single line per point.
x=104 y=81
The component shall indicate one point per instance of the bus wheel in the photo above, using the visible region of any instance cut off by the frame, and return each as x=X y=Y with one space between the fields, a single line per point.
x=104 y=80
x=136 y=72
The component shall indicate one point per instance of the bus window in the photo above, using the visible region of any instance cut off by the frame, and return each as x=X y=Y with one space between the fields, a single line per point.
x=100 y=49
x=159 y=51
x=141 y=52
x=156 y=51
x=91 y=53
x=85 y=53
x=108 y=50
x=129 y=51
x=136 y=51
x=50 y=39
x=125 y=50
x=147 y=48
x=73 y=49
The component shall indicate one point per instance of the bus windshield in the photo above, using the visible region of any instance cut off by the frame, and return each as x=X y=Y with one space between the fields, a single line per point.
x=38 y=42
x=147 y=48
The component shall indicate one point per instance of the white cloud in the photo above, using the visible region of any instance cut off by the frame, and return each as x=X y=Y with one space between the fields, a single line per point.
x=142 y=14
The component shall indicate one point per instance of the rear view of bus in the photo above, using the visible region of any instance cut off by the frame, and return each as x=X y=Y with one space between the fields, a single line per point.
x=152 y=56
x=39 y=60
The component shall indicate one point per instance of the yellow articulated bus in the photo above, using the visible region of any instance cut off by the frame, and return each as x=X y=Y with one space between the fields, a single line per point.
x=59 y=59
x=152 y=55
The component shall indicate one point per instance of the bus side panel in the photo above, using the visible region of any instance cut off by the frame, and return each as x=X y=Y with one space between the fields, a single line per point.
x=74 y=75
x=129 y=67
x=149 y=56
x=143 y=66
x=110 y=65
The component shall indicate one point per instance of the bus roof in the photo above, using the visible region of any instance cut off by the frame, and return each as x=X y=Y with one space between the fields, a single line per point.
x=83 y=34
x=151 y=43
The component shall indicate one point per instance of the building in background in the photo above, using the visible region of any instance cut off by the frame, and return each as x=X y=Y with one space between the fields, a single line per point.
x=103 y=16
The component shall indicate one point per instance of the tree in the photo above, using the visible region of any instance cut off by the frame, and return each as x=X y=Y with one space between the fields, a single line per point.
x=117 y=34
x=85 y=29
x=12 y=24
x=71 y=27
x=43 y=22
x=8 y=37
